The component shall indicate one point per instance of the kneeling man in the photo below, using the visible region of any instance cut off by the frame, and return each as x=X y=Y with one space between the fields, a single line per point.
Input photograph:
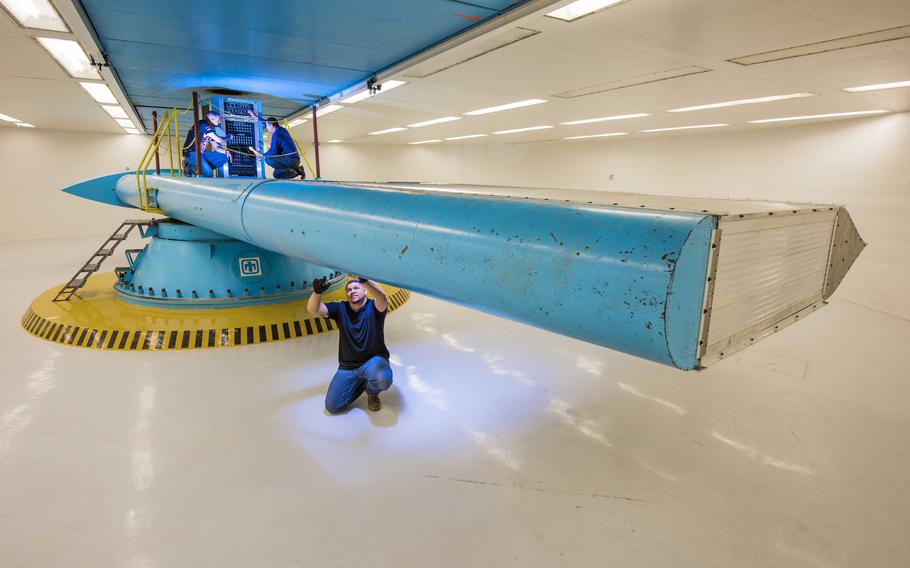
x=363 y=360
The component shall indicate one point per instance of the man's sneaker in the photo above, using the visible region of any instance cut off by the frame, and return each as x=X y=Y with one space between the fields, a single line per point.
x=302 y=172
x=285 y=174
x=373 y=402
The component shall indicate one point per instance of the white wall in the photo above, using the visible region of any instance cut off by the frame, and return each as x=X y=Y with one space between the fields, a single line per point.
x=861 y=163
x=37 y=163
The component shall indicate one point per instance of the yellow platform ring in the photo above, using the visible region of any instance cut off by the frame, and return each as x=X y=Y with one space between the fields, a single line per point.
x=96 y=319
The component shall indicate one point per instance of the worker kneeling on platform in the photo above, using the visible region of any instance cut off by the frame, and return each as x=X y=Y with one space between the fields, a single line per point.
x=282 y=155
x=213 y=152
x=363 y=359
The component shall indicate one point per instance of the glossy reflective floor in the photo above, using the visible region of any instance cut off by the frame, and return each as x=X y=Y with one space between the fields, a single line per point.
x=499 y=445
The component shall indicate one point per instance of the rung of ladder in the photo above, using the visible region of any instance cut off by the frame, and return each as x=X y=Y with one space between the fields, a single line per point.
x=106 y=250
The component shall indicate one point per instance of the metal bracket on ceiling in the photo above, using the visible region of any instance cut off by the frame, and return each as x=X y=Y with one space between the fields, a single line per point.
x=373 y=86
x=99 y=65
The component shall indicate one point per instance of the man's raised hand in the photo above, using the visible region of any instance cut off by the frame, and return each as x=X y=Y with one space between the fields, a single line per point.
x=320 y=285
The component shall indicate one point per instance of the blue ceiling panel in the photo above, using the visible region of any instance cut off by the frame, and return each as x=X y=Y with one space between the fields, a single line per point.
x=287 y=53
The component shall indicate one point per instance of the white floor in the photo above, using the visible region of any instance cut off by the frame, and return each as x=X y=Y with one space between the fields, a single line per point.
x=499 y=445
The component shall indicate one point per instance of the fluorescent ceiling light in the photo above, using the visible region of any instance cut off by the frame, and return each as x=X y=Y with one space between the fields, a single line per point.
x=514 y=130
x=391 y=84
x=467 y=136
x=320 y=112
x=131 y=131
x=116 y=111
x=125 y=122
x=684 y=127
x=387 y=130
x=581 y=8
x=70 y=55
x=425 y=141
x=35 y=14
x=434 y=121
x=617 y=117
x=336 y=141
x=364 y=94
x=8 y=118
x=508 y=106
x=770 y=99
x=596 y=135
x=100 y=92
x=878 y=87
x=296 y=122
x=829 y=115
x=24 y=125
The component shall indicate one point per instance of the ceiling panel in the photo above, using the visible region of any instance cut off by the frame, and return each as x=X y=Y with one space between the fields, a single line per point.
x=287 y=56
x=285 y=49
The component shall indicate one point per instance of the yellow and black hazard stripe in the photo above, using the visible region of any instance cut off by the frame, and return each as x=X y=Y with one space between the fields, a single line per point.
x=177 y=339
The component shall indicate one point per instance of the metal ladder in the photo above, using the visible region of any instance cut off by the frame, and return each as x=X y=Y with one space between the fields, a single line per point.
x=107 y=249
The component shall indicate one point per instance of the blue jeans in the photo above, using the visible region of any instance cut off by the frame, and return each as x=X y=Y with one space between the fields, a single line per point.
x=374 y=376
x=210 y=162
x=285 y=166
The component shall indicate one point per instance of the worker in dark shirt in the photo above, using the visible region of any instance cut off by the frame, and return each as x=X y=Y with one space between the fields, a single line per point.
x=282 y=155
x=363 y=359
x=212 y=143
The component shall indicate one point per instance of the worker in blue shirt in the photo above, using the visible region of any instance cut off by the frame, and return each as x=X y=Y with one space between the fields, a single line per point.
x=212 y=144
x=282 y=155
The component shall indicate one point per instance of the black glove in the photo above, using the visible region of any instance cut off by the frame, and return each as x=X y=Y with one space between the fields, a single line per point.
x=320 y=285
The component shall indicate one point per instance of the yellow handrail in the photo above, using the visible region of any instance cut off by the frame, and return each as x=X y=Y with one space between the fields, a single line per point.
x=164 y=130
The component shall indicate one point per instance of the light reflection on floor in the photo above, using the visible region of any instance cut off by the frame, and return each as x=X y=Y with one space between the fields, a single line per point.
x=498 y=445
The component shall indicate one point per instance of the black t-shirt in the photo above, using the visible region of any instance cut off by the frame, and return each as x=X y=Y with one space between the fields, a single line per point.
x=360 y=333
